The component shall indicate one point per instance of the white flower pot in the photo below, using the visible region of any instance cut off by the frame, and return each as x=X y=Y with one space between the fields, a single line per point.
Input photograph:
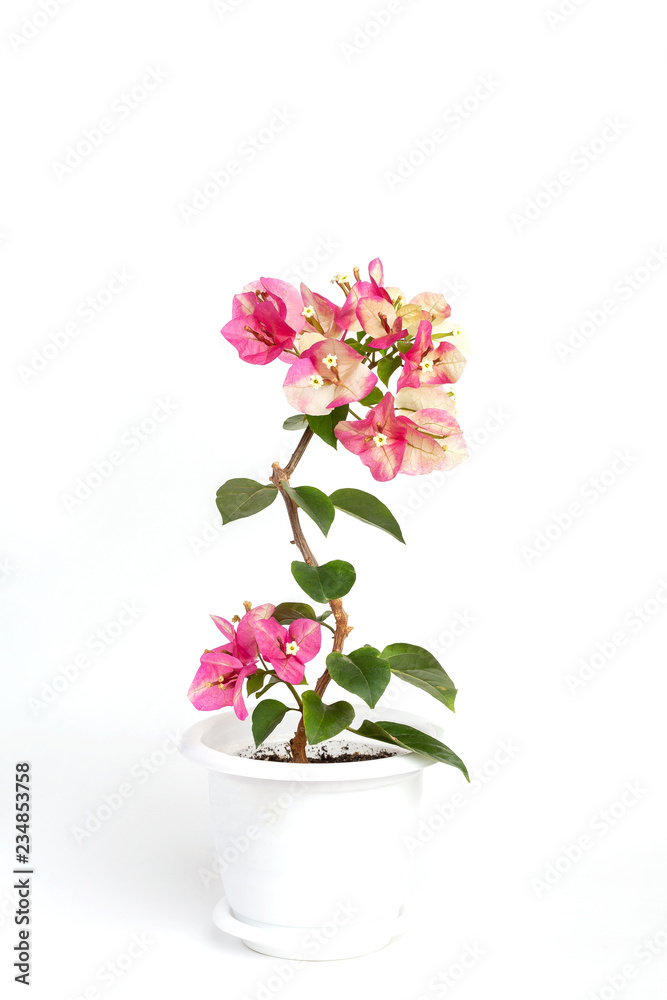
x=314 y=857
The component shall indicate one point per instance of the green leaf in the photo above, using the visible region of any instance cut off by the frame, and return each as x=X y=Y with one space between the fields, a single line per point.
x=367 y=508
x=373 y=397
x=289 y=611
x=255 y=681
x=316 y=505
x=362 y=672
x=324 y=721
x=419 y=667
x=243 y=497
x=323 y=617
x=337 y=578
x=386 y=368
x=296 y=423
x=325 y=583
x=267 y=687
x=324 y=426
x=408 y=738
x=266 y=717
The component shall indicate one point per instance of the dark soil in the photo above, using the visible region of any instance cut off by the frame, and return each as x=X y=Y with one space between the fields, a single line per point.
x=343 y=754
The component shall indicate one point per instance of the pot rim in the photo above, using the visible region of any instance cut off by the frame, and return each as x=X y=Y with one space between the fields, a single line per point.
x=196 y=746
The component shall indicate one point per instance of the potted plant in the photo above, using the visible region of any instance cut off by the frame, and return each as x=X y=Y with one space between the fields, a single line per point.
x=312 y=801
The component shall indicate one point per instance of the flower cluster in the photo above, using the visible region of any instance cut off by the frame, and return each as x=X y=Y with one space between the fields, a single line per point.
x=340 y=355
x=342 y=362
x=257 y=640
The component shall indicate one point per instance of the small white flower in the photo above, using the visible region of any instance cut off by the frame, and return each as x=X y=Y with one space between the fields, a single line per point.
x=316 y=381
x=331 y=361
x=308 y=312
x=426 y=365
x=342 y=278
x=291 y=648
x=380 y=439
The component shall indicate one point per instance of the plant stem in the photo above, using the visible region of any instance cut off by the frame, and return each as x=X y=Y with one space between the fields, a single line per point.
x=295 y=693
x=278 y=477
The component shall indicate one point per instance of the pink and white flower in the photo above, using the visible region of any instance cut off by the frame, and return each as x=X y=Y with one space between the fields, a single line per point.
x=328 y=374
x=257 y=331
x=288 y=650
x=379 y=439
x=379 y=319
x=429 y=364
x=283 y=296
x=241 y=640
x=435 y=305
x=438 y=442
x=320 y=314
x=219 y=682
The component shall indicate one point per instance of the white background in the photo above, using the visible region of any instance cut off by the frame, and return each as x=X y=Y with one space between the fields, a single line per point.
x=547 y=426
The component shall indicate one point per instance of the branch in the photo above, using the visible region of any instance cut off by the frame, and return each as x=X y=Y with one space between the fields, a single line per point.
x=278 y=477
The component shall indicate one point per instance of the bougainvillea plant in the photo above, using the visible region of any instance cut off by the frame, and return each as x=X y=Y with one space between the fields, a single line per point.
x=342 y=360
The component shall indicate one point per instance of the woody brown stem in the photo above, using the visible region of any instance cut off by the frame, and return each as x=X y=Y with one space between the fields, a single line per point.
x=278 y=478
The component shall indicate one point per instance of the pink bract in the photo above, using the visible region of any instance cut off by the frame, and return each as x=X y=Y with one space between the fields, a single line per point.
x=242 y=643
x=378 y=318
x=320 y=314
x=435 y=304
x=426 y=364
x=379 y=439
x=289 y=649
x=285 y=298
x=431 y=410
x=219 y=682
x=259 y=336
x=327 y=375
